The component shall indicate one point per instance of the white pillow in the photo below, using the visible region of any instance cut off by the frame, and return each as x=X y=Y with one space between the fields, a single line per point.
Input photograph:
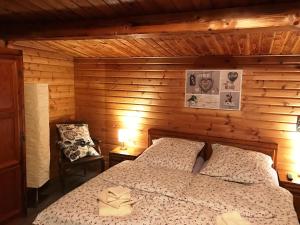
x=239 y=165
x=172 y=153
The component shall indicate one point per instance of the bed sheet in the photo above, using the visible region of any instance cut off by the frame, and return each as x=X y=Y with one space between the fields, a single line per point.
x=166 y=196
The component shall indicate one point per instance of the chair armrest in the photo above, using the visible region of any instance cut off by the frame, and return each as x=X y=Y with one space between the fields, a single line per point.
x=96 y=141
x=97 y=144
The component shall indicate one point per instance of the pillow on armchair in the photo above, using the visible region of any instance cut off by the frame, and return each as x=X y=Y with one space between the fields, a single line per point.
x=75 y=141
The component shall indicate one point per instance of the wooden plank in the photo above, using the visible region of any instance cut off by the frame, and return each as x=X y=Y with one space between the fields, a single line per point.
x=57 y=70
x=152 y=90
x=259 y=18
x=273 y=84
x=190 y=61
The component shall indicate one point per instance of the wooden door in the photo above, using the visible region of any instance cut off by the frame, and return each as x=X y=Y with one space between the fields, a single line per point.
x=12 y=164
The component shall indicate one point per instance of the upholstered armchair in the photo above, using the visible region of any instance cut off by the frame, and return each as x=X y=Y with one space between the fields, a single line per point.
x=76 y=150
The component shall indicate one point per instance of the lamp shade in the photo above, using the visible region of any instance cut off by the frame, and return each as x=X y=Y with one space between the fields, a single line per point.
x=122 y=135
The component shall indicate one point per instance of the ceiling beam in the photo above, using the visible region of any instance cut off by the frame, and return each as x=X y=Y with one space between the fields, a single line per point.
x=259 y=18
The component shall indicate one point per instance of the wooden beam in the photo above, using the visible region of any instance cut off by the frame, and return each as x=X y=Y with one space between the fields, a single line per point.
x=259 y=18
x=207 y=60
x=2 y=43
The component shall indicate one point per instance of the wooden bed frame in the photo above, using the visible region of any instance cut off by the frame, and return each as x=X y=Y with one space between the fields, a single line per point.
x=263 y=147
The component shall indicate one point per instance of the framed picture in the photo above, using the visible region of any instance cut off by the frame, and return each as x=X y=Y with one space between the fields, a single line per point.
x=213 y=89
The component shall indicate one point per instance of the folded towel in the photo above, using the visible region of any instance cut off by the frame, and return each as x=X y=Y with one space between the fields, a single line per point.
x=231 y=218
x=115 y=201
x=116 y=196
x=107 y=210
x=107 y=196
x=119 y=190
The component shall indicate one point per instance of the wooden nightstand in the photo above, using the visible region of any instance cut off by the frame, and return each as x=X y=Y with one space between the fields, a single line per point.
x=117 y=155
x=294 y=187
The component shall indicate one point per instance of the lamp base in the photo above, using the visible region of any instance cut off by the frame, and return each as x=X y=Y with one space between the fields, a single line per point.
x=123 y=147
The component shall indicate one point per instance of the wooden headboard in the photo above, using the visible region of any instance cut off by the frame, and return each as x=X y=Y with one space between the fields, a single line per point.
x=264 y=147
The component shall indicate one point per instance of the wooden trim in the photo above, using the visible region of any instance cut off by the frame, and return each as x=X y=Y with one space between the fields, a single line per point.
x=256 y=18
x=10 y=52
x=267 y=148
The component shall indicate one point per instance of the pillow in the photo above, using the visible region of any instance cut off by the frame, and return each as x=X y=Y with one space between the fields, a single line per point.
x=75 y=152
x=238 y=165
x=172 y=153
x=74 y=133
x=76 y=141
x=198 y=164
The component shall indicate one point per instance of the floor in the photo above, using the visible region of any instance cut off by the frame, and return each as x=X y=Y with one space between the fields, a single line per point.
x=48 y=194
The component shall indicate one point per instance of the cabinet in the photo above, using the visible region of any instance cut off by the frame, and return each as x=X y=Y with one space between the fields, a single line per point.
x=12 y=153
x=294 y=187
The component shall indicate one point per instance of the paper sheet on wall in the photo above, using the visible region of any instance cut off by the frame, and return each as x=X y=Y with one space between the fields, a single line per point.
x=213 y=89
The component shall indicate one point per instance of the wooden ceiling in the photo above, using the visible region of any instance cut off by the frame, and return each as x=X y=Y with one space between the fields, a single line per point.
x=265 y=43
x=153 y=28
x=40 y=11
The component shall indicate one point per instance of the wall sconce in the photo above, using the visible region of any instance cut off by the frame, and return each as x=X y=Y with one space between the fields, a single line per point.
x=123 y=137
x=298 y=124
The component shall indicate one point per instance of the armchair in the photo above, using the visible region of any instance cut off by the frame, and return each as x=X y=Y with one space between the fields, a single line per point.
x=65 y=164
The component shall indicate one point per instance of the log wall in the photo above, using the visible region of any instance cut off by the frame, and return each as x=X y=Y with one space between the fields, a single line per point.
x=57 y=70
x=149 y=92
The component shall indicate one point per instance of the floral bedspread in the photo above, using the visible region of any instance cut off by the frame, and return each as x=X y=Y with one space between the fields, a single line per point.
x=166 y=196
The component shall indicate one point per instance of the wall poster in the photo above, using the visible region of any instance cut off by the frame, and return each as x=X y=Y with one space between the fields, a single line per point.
x=213 y=89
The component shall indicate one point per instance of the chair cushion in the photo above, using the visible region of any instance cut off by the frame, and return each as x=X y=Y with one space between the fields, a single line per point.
x=76 y=141
x=75 y=152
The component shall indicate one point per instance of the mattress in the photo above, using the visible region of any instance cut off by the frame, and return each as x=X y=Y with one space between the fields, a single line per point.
x=168 y=196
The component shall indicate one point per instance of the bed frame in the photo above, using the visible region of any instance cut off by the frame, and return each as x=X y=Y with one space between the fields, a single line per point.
x=263 y=147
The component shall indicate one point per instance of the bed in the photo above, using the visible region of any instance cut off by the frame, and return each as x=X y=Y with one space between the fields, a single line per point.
x=169 y=195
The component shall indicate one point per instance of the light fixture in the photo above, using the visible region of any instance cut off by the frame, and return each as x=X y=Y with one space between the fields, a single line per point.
x=123 y=137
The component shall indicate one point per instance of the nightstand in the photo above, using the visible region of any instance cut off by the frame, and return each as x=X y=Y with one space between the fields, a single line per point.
x=294 y=187
x=118 y=155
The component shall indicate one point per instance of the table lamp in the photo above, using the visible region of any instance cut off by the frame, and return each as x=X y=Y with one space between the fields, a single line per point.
x=123 y=137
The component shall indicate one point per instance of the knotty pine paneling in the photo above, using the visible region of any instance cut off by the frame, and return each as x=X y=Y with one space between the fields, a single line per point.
x=233 y=43
x=57 y=71
x=111 y=92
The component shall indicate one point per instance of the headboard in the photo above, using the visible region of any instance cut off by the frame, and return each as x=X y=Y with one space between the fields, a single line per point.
x=264 y=147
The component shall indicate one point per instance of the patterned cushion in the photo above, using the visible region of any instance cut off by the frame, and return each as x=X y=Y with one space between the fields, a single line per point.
x=238 y=165
x=76 y=141
x=75 y=152
x=172 y=153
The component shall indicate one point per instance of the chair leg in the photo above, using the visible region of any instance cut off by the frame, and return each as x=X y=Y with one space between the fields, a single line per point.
x=36 y=200
x=62 y=179
x=102 y=165
x=84 y=171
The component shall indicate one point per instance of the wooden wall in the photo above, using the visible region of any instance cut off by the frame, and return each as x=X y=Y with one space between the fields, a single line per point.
x=41 y=66
x=110 y=92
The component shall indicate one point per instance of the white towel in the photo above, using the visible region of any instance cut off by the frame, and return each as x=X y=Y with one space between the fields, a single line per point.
x=231 y=218
x=116 y=196
x=115 y=201
x=119 y=190
x=106 y=210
